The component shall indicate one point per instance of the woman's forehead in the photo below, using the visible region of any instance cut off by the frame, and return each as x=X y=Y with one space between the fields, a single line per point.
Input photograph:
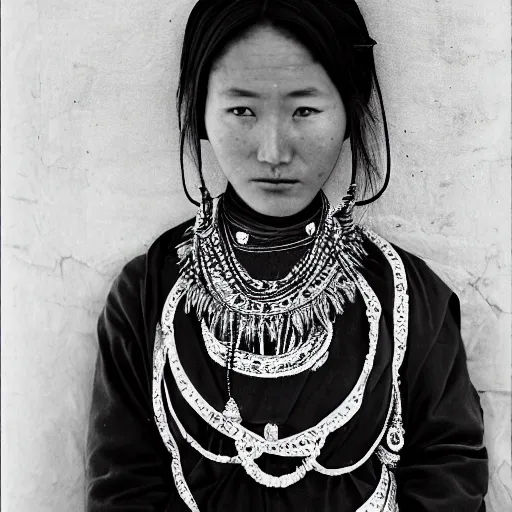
x=264 y=48
x=248 y=78
x=266 y=60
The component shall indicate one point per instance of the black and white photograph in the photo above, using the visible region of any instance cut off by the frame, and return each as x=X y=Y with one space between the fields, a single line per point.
x=256 y=256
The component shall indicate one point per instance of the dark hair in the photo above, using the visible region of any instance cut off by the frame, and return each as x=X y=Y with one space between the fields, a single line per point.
x=333 y=31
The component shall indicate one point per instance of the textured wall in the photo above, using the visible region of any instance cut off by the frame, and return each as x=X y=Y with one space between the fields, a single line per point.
x=90 y=178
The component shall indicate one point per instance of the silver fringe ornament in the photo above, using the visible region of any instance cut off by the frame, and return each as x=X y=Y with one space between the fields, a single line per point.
x=278 y=313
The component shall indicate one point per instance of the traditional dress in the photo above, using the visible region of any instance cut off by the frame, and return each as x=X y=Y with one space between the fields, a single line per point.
x=208 y=397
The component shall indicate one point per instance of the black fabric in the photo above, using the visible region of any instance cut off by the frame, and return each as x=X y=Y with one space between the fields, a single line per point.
x=444 y=465
x=275 y=243
x=266 y=229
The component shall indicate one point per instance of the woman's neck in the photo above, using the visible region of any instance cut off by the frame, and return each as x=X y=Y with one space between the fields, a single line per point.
x=241 y=216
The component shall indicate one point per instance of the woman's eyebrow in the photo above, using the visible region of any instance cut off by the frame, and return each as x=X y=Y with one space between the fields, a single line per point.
x=305 y=93
x=240 y=93
x=235 y=92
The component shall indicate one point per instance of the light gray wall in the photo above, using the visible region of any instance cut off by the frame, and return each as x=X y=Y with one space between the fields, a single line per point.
x=90 y=178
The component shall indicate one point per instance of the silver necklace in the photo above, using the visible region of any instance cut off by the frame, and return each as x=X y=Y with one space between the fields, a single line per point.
x=309 y=355
x=242 y=237
x=238 y=307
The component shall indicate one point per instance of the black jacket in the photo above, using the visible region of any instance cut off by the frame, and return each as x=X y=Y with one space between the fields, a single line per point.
x=443 y=465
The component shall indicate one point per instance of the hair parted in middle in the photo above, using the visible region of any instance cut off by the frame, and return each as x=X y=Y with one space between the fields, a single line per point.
x=335 y=34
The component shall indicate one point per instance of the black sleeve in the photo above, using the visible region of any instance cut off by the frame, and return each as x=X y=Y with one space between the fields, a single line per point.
x=444 y=466
x=127 y=464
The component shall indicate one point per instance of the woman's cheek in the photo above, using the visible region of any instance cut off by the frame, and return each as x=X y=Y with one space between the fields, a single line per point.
x=234 y=150
x=241 y=143
x=319 y=147
x=323 y=154
x=235 y=129
x=226 y=138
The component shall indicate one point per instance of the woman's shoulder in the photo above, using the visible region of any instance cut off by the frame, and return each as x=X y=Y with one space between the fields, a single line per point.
x=433 y=307
x=169 y=239
x=430 y=299
x=134 y=272
x=143 y=282
x=426 y=289
x=423 y=282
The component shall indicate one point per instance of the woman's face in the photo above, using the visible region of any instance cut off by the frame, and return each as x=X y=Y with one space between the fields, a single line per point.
x=275 y=121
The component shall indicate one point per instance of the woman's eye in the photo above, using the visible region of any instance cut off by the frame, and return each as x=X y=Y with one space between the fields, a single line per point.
x=305 y=111
x=241 y=112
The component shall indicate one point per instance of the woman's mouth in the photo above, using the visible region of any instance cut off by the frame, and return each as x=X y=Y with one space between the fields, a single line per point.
x=276 y=181
x=276 y=185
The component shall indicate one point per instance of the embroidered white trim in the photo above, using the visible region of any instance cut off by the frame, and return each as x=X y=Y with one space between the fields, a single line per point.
x=314 y=350
x=320 y=362
x=386 y=457
x=391 y=504
x=377 y=500
x=163 y=427
x=396 y=432
x=205 y=453
x=348 y=469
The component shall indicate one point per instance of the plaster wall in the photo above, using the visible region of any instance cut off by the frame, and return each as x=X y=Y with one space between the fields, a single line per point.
x=90 y=178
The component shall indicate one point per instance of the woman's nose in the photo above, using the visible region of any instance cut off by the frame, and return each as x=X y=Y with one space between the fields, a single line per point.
x=273 y=145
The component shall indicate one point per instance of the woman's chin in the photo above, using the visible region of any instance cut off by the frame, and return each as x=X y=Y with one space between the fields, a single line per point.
x=278 y=204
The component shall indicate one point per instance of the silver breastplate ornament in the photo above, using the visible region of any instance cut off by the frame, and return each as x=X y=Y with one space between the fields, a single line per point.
x=295 y=313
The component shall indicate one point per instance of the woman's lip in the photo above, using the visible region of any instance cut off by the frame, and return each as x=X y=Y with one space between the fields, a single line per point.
x=275 y=181
x=274 y=186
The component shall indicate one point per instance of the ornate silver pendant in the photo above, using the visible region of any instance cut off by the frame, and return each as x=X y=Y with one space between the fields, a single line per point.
x=242 y=238
x=271 y=432
x=310 y=229
x=310 y=354
x=232 y=412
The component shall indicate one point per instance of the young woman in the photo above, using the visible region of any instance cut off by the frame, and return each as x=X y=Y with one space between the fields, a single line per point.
x=270 y=355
